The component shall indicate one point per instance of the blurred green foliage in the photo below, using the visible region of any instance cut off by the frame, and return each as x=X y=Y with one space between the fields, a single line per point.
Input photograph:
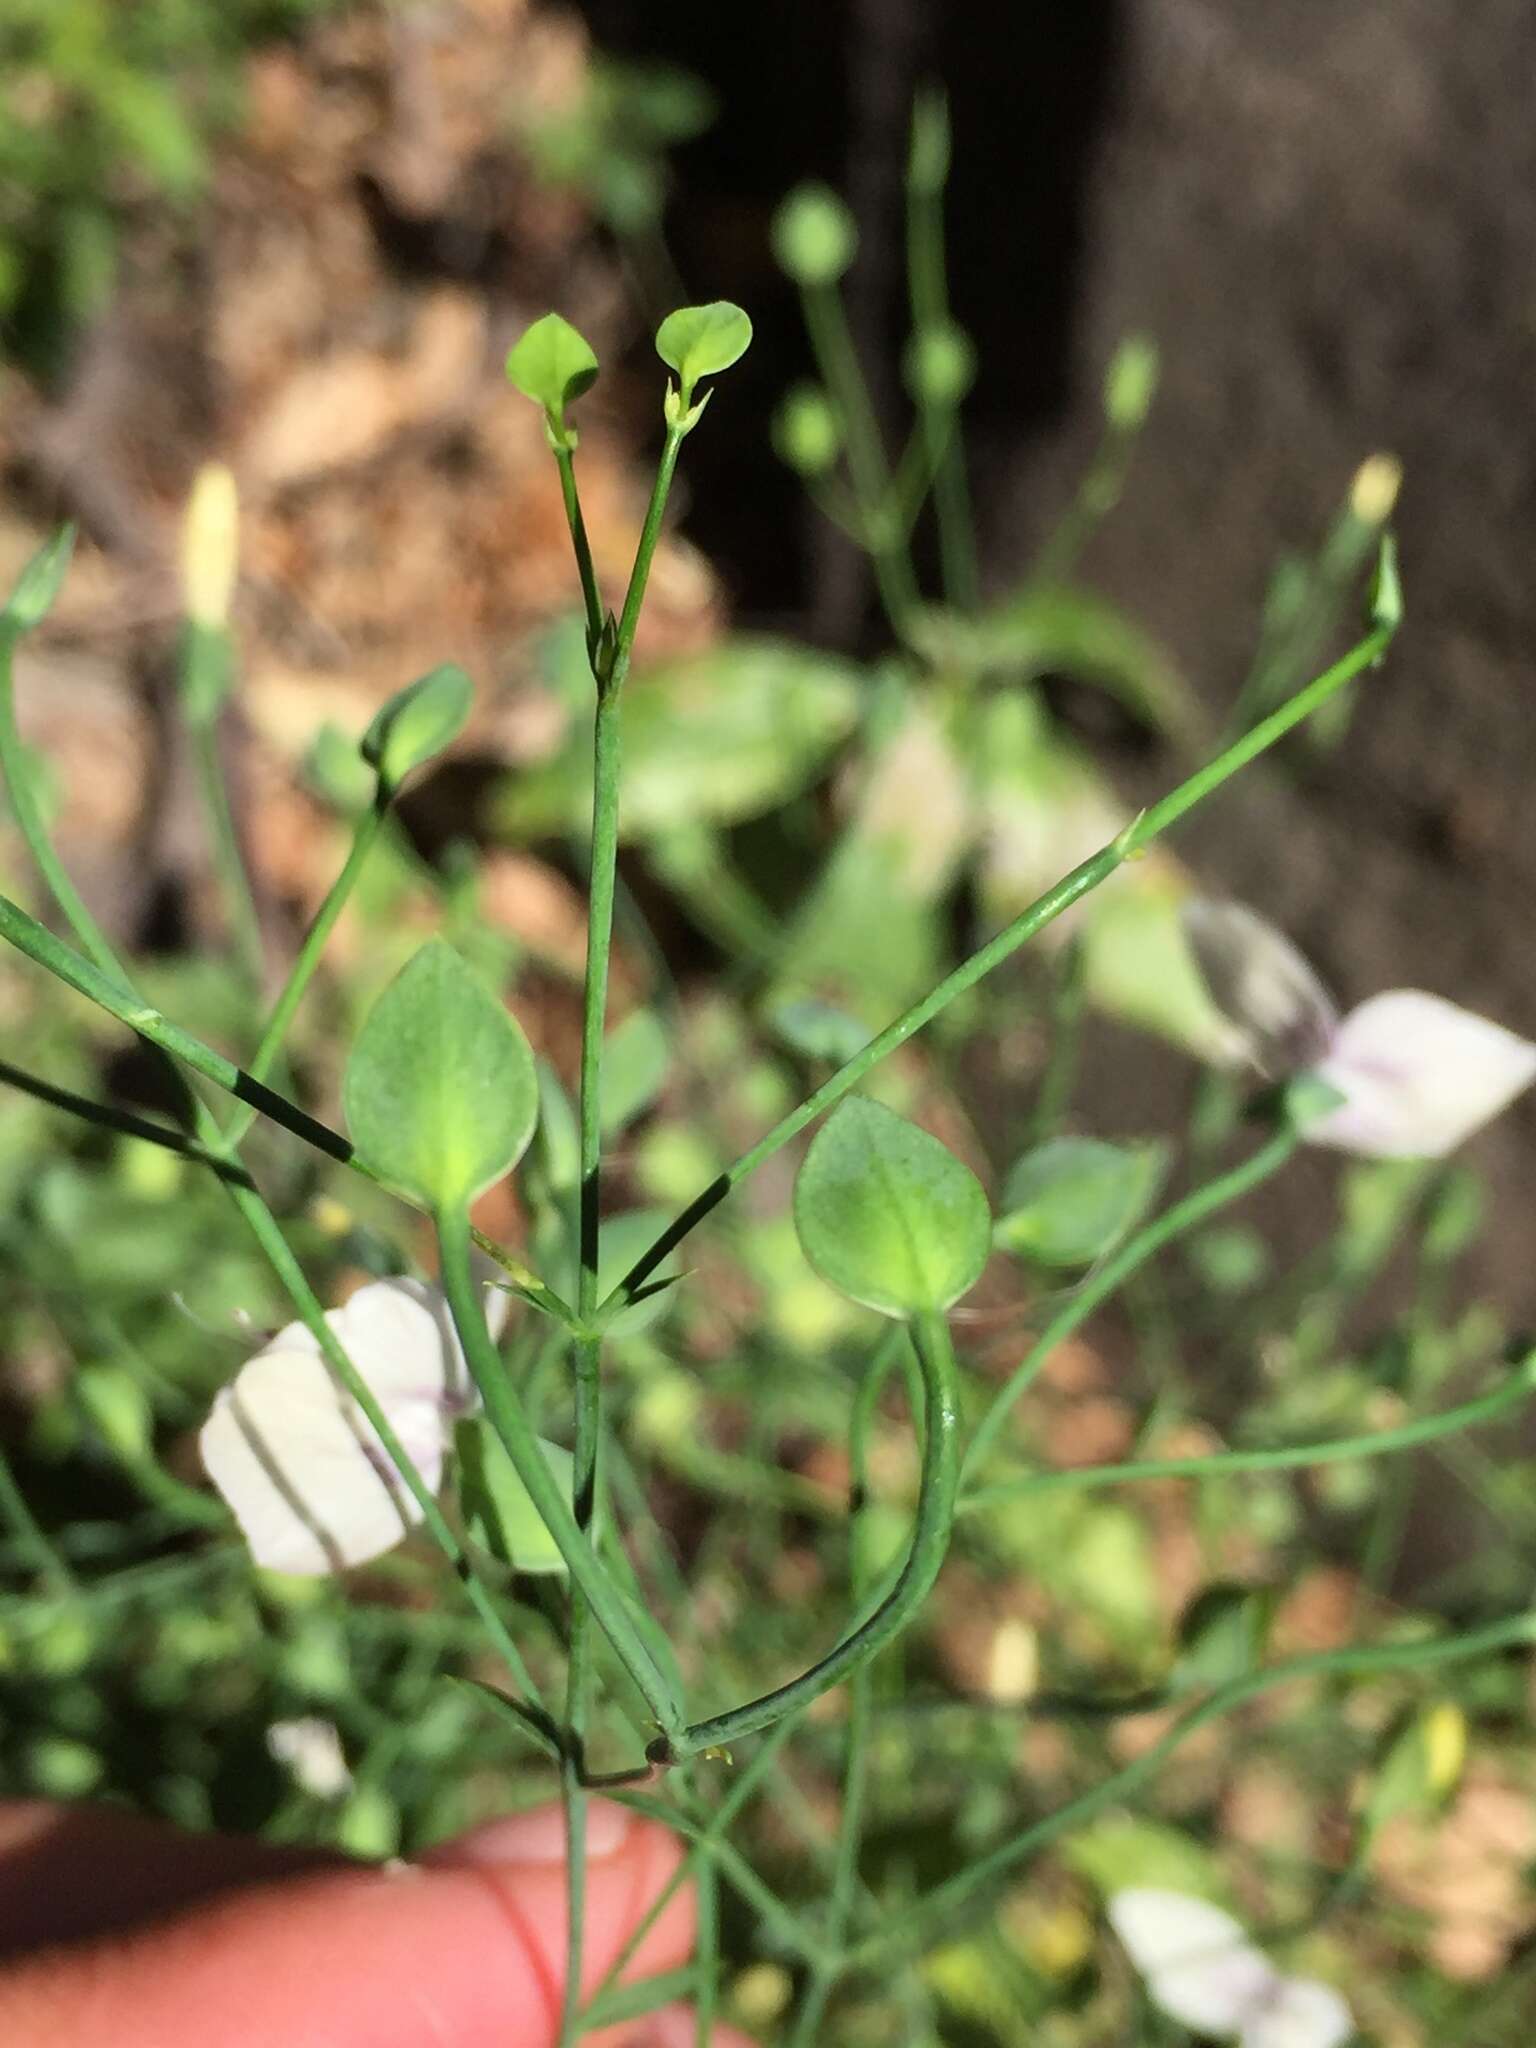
x=106 y=105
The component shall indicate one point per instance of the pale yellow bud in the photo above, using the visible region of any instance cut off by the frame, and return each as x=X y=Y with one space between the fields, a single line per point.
x=1374 y=491
x=1445 y=1746
x=210 y=546
x=1013 y=1665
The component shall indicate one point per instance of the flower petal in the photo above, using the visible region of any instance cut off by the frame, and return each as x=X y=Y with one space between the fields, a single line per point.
x=306 y=1476
x=1299 y=2013
x=400 y=1336
x=1282 y=1016
x=1418 y=1075
x=1199 y=1965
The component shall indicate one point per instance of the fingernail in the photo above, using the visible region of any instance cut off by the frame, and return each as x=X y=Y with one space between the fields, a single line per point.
x=539 y=1836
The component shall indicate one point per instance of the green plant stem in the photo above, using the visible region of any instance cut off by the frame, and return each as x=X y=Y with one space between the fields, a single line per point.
x=850 y=1825
x=307 y=959
x=105 y=980
x=1376 y=1443
x=587 y=1350
x=1150 y=825
x=21 y=790
x=28 y=1532
x=108 y=1117
x=104 y=987
x=742 y=1788
x=1060 y=1076
x=591 y=596
x=1108 y=1278
x=639 y=575
x=930 y=1541
x=228 y=860
x=837 y=360
x=940 y=423
x=505 y=1411
x=918 y=1924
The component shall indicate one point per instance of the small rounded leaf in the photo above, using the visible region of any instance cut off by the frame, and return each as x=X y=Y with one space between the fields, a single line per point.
x=498 y=1509
x=887 y=1215
x=814 y=236
x=552 y=364
x=39 y=582
x=440 y=1092
x=700 y=341
x=1069 y=1201
x=417 y=722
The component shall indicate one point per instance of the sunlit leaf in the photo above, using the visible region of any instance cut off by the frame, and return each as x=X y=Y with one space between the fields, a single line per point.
x=887 y=1215
x=440 y=1093
x=1069 y=1201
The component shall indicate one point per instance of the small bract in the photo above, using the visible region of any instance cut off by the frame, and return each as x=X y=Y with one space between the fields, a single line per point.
x=1417 y=1074
x=1200 y=1969
x=302 y=1469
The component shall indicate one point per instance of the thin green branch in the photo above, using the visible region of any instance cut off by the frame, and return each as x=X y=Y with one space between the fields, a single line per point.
x=29 y=1534
x=307 y=959
x=930 y=1541
x=108 y=1117
x=1375 y=1443
x=920 y=1923
x=1071 y=889
x=1116 y=1270
x=228 y=859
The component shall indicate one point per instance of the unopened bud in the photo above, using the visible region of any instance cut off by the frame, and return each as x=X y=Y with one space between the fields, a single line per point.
x=1374 y=491
x=210 y=546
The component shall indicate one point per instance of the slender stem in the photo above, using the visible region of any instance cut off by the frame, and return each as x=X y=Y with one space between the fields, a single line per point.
x=706 y=1958
x=591 y=597
x=228 y=860
x=587 y=1351
x=940 y=423
x=1071 y=889
x=850 y=1822
x=1115 y=1271
x=919 y=1922
x=1056 y=1084
x=28 y=1531
x=102 y=985
x=1376 y=1443
x=21 y=788
x=742 y=1788
x=264 y=1227
x=639 y=575
x=107 y=1116
x=105 y=980
x=307 y=959
x=837 y=360
x=505 y=1410
x=930 y=1541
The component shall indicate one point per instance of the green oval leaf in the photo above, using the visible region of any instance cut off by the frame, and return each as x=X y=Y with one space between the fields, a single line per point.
x=498 y=1509
x=1067 y=1202
x=813 y=234
x=708 y=738
x=440 y=1093
x=417 y=722
x=887 y=1216
x=552 y=364
x=700 y=341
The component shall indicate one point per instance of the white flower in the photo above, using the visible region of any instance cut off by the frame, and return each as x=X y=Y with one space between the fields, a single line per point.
x=306 y=1475
x=1201 y=1970
x=1418 y=1074
x=311 y=1749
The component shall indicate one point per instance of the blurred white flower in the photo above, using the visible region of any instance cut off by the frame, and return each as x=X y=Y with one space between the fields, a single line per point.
x=1200 y=1969
x=311 y=1750
x=306 y=1475
x=1418 y=1074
